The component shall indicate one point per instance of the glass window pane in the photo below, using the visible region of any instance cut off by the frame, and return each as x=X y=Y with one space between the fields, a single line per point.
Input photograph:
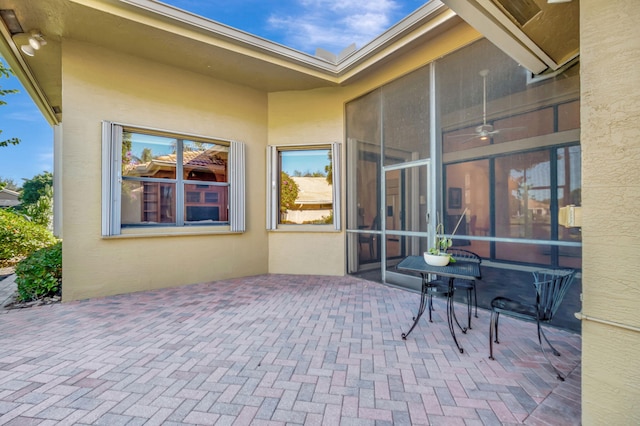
x=461 y=139
x=306 y=187
x=524 y=253
x=205 y=161
x=148 y=156
x=569 y=192
x=206 y=203
x=523 y=196
x=147 y=203
x=467 y=187
x=521 y=126
x=569 y=116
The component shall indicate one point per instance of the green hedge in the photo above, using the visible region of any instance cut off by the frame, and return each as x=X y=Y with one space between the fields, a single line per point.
x=40 y=274
x=19 y=237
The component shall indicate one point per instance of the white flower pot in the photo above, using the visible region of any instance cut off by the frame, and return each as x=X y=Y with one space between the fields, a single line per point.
x=441 y=259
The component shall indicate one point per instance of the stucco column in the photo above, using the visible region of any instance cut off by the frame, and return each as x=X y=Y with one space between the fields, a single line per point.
x=610 y=137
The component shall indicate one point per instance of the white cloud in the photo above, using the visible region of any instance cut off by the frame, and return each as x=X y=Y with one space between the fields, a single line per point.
x=335 y=24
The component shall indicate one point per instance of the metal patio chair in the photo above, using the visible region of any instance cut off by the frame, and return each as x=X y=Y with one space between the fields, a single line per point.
x=550 y=289
x=468 y=285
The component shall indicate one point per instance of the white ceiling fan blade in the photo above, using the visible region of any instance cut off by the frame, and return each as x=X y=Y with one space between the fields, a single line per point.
x=463 y=135
x=475 y=137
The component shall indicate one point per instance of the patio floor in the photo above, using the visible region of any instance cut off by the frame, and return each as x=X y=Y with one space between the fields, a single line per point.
x=275 y=350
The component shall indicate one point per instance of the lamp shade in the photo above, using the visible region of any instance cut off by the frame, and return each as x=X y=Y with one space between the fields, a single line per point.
x=33 y=42
x=27 y=50
x=570 y=216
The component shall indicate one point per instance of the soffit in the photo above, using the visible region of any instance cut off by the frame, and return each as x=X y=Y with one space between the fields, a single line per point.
x=542 y=36
x=163 y=34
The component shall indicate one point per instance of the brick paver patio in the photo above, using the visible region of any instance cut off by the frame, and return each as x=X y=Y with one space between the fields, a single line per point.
x=275 y=350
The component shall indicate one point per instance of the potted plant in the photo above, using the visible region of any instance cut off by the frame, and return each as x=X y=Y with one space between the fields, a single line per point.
x=437 y=255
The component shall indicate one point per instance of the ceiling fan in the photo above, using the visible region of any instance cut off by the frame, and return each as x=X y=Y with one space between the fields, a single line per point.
x=484 y=131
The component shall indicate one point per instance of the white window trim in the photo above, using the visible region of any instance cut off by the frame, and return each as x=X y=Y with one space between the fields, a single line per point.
x=112 y=181
x=273 y=179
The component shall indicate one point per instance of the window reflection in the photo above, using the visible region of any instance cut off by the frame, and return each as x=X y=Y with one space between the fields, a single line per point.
x=150 y=167
x=306 y=187
x=148 y=156
x=468 y=188
x=205 y=161
x=147 y=203
x=523 y=196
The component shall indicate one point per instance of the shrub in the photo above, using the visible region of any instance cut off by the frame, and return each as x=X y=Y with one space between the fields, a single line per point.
x=19 y=237
x=40 y=274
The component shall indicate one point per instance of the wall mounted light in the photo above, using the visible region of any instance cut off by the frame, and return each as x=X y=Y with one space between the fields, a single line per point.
x=36 y=41
x=570 y=216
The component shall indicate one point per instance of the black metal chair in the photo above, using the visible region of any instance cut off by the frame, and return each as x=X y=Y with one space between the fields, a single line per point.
x=550 y=289
x=369 y=239
x=468 y=285
x=440 y=286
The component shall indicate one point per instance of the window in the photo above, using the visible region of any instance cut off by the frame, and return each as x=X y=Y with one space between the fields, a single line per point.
x=515 y=197
x=155 y=178
x=301 y=186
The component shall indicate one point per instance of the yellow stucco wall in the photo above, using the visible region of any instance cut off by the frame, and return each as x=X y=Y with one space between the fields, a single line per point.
x=610 y=137
x=317 y=116
x=103 y=85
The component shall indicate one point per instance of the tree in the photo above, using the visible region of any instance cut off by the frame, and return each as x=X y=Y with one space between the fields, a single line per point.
x=147 y=155
x=37 y=199
x=41 y=212
x=288 y=193
x=329 y=169
x=9 y=184
x=6 y=72
x=35 y=188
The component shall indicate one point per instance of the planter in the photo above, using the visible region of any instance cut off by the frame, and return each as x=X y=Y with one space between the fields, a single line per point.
x=441 y=259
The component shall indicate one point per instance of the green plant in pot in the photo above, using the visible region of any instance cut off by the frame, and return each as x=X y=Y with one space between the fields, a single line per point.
x=437 y=255
x=441 y=242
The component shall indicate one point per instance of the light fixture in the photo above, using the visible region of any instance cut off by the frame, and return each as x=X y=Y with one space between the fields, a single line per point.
x=27 y=50
x=570 y=216
x=36 y=41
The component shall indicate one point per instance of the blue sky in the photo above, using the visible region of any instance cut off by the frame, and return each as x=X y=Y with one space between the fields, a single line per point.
x=301 y=24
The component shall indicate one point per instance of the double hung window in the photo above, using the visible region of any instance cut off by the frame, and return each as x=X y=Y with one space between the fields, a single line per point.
x=155 y=178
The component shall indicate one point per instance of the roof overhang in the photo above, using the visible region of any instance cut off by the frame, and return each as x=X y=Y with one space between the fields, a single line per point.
x=167 y=35
x=540 y=35
x=541 y=41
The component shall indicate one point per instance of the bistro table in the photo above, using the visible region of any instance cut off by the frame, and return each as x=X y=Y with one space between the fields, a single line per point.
x=459 y=269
